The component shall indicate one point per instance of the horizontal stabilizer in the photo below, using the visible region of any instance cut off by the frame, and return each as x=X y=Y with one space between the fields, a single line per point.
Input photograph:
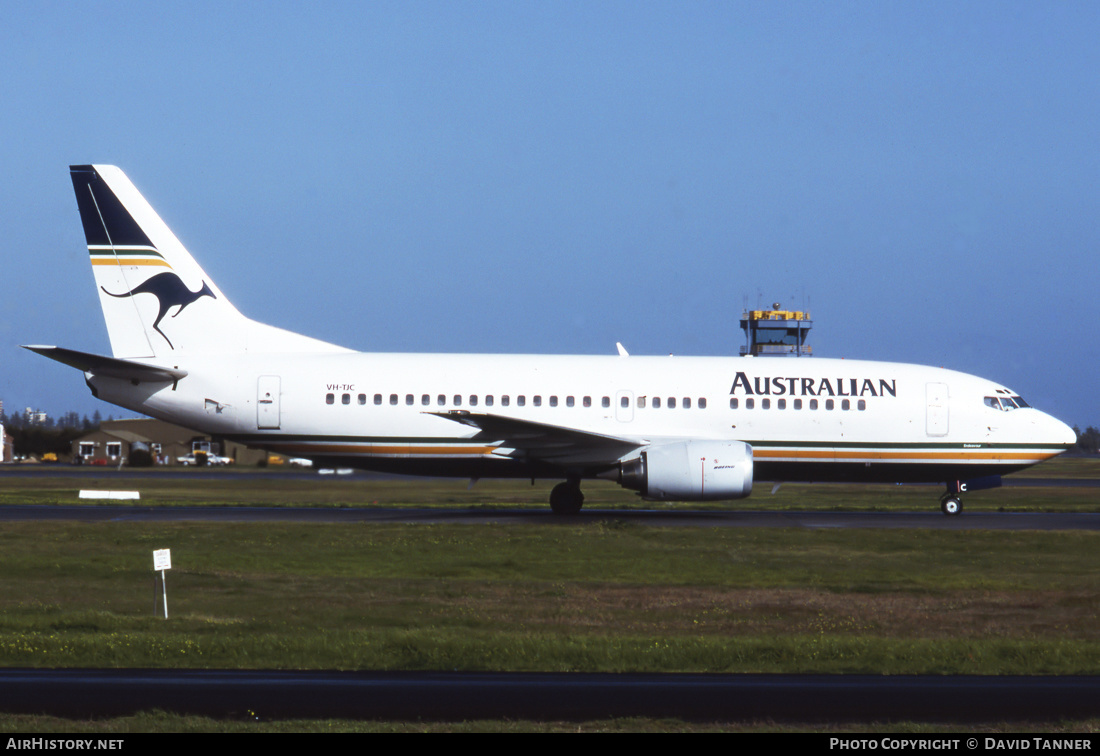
x=109 y=366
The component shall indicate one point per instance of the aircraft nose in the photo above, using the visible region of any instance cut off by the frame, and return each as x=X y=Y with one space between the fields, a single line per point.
x=1060 y=433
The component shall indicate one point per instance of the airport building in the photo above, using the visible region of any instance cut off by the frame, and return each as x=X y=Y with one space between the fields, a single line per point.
x=116 y=440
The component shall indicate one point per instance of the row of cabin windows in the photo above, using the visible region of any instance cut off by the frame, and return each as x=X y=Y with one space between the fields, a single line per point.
x=521 y=401
x=766 y=403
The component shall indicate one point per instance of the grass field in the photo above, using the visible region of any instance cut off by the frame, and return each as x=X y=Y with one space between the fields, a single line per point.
x=600 y=596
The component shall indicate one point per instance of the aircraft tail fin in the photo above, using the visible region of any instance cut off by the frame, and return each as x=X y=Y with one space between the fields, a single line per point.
x=157 y=301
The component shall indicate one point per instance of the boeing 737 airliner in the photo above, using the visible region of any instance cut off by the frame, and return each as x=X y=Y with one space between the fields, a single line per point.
x=670 y=428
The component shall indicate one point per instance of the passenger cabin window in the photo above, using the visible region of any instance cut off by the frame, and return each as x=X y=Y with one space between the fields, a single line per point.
x=362 y=398
x=377 y=398
x=702 y=402
x=345 y=399
x=393 y=399
x=505 y=400
x=605 y=402
x=588 y=401
x=733 y=402
x=489 y=400
x=536 y=400
x=330 y=398
x=553 y=401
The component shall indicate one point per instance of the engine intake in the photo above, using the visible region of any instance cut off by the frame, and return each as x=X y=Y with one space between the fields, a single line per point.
x=690 y=471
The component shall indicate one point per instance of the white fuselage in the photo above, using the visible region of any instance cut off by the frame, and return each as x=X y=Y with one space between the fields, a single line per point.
x=805 y=419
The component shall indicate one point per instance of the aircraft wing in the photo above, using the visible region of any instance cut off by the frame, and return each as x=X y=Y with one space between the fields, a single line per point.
x=553 y=444
x=109 y=366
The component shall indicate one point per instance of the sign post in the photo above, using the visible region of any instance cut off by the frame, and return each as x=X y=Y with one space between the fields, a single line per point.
x=162 y=560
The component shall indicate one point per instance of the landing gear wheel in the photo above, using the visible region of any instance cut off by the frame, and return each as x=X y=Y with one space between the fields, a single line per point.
x=951 y=505
x=566 y=498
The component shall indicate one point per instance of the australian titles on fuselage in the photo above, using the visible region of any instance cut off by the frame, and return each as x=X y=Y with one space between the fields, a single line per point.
x=656 y=426
x=798 y=386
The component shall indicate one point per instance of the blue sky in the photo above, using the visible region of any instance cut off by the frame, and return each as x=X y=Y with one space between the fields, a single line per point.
x=555 y=177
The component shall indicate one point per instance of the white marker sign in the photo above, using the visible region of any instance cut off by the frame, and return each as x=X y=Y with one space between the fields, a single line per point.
x=162 y=559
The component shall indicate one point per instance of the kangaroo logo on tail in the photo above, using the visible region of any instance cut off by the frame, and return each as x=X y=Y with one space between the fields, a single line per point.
x=170 y=291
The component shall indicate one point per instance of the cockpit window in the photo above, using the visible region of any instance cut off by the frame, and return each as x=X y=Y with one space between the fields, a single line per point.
x=1005 y=403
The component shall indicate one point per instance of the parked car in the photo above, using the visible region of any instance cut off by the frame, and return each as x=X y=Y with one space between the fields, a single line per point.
x=211 y=459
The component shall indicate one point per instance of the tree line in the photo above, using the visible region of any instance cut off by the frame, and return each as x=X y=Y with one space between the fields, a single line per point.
x=1088 y=441
x=55 y=435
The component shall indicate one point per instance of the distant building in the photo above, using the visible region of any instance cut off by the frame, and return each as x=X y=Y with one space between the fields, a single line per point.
x=34 y=417
x=7 y=446
x=115 y=440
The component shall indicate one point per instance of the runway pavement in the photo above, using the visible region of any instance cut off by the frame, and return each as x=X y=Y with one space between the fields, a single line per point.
x=562 y=696
x=534 y=515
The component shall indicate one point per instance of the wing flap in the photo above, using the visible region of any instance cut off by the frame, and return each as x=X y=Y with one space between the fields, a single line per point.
x=553 y=444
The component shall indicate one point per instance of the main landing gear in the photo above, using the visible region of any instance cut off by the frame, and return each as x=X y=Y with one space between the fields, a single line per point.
x=566 y=498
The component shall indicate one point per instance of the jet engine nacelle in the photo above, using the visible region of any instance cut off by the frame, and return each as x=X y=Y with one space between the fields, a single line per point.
x=690 y=471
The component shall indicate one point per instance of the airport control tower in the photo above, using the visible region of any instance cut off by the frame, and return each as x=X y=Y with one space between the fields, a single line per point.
x=776 y=332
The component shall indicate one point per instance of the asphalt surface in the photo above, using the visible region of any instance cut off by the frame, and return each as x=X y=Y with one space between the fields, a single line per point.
x=463 y=696
x=534 y=515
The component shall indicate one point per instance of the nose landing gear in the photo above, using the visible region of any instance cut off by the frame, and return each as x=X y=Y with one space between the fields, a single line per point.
x=951 y=501
x=950 y=504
